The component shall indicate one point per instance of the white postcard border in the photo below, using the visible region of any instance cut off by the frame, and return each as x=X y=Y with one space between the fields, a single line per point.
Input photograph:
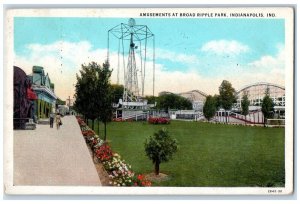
x=286 y=13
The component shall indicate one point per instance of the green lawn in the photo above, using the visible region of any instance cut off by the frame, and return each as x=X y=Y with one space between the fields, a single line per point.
x=209 y=155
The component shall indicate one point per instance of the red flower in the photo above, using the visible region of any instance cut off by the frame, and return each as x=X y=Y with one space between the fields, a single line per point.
x=104 y=153
x=141 y=180
x=117 y=119
x=95 y=141
x=88 y=133
x=140 y=177
x=158 y=120
x=80 y=121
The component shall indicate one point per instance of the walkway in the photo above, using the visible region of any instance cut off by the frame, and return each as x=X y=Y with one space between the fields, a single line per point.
x=47 y=156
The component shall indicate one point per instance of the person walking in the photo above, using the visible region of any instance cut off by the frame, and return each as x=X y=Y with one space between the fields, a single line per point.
x=51 y=119
x=58 y=120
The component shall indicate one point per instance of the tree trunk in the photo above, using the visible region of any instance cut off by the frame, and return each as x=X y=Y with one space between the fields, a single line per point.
x=98 y=127
x=105 y=131
x=156 y=168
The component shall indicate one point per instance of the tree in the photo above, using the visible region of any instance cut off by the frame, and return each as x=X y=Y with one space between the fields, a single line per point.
x=218 y=101
x=183 y=103
x=151 y=99
x=267 y=106
x=94 y=93
x=104 y=95
x=117 y=92
x=160 y=148
x=173 y=101
x=86 y=100
x=60 y=102
x=209 y=108
x=227 y=95
x=245 y=105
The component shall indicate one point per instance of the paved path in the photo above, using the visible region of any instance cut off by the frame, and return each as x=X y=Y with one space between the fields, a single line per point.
x=47 y=156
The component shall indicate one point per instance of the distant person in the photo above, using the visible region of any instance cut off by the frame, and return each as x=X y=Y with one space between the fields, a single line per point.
x=58 y=120
x=51 y=120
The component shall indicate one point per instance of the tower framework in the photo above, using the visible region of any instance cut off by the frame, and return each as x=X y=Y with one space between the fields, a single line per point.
x=138 y=38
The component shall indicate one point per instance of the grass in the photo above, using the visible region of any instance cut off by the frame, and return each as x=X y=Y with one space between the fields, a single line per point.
x=209 y=155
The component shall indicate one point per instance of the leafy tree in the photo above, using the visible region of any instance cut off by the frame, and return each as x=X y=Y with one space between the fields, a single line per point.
x=183 y=103
x=173 y=101
x=245 y=105
x=267 y=106
x=104 y=95
x=160 y=148
x=165 y=101
x=227 y=95
x=86 y=101
x=218 y=101
x=94 y=93
x=151 y=99
x=209 y=108
x=117 y=92
x=60 y=102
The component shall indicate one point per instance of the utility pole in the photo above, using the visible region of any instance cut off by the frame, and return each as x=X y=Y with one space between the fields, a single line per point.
x=69 y=101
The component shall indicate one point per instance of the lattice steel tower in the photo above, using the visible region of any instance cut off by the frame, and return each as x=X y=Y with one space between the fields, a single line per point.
x=131 y=83
x=137 y=38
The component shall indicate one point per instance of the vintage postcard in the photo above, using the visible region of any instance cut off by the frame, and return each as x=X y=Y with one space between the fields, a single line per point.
x=149 y=101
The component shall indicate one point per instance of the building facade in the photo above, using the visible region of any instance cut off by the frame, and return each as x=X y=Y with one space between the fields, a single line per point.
x=44 y=89
x=197 y=98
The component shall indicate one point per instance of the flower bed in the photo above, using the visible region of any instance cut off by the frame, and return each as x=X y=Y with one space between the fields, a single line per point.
x=88 y=133
x=119 y=172
x=104 y=153
x=140 y=180
x=80 y=121
x=158 y=120
x=117 y=120
x=122 y=120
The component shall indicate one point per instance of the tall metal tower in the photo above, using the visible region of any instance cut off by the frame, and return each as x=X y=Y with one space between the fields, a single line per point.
x=131 y=92
x=137 y=38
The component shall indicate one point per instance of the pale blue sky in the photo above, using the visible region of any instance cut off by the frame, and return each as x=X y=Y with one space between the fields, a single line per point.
x=180 y=35
x=199 y=42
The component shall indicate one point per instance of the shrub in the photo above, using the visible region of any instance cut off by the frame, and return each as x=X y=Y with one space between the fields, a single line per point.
x=160 y=148
x=158 y=120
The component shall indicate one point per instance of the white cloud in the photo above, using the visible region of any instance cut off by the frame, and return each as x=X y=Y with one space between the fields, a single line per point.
x=176 y=57
x=62 y=71
x=266 y=69
x=269 y=62
x=186 y=81
x=61 y=60
x=224 y=47
x=66 y=52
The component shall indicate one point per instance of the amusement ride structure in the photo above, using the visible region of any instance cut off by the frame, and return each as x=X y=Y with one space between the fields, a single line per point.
x=137 y=38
